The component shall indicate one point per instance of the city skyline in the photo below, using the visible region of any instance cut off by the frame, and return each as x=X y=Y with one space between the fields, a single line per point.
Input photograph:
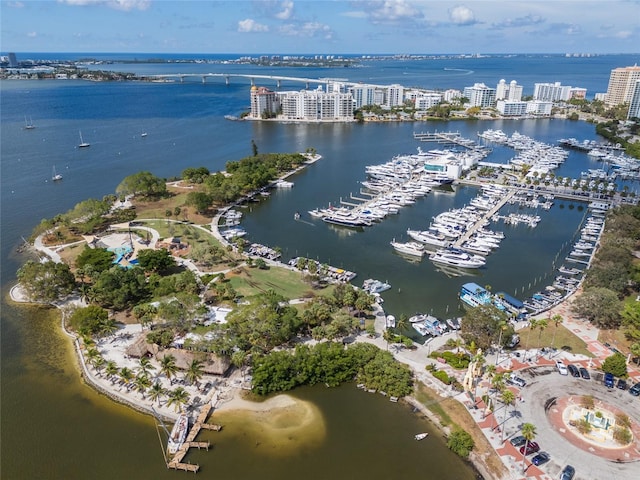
x=321 y=27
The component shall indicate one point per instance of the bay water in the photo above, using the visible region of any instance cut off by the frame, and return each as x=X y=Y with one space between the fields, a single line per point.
x=55 y=427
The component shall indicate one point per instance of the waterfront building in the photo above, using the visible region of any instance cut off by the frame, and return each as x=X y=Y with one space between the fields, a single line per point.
x=634 y=108
x=540 y=108
x=263 y=102
x=480 y=95
x=427 y=100
x=621 y=85
x=451 y=94
x=578 y=93
x=316 y=105
x=394 y=96
x=512 y=108
x=363 y=95
x=553 y=92
x=511 y=91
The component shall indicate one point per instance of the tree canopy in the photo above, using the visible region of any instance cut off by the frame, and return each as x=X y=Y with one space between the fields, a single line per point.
x=600 y=306
x=482 y=325
x=144 y=184
x=46 y=282
x=92 y=320
x=99 y=259
x=155 y=260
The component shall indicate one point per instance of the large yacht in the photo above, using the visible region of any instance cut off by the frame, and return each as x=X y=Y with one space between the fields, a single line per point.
x=414 y=249
x=458 y=258
x=429 y=236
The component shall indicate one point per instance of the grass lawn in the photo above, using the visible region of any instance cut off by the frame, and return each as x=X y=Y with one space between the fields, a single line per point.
x=249 y=282
x=564 y=339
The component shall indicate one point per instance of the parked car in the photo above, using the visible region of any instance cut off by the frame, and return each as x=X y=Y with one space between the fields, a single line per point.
x=622 y=384
x=608 y=380
x=567 y=473
x=584 y=373
x=573 y=370
x=539 y=459
x=516 y=380
x=518 y=441
x=562 y=368
x=532 y=447
x=635 y=390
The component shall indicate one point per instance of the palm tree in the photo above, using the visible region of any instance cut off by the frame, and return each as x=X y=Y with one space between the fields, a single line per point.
x=541 y=325
x=142 y=383
x=97 y=363
x=635 y=351
x=92 y=353
x=528 y=431
x=126 y=375
x=146 y=366
x=156 y=391
x=168 y=367
x=178 y=397
x=497 y=382
x=557 y=320
x=402 y=323
x=111 y=370
x=238 y=358
x=508 y=398
x=502 y=325
x=194 y=372
x=533 y=323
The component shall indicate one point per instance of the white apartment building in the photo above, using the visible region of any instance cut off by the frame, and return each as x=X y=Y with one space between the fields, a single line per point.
x=577 y=92
x=539 y=107
x=551 y=92
x=512 y=108
x=480 y=95
x=634 y=108
x=263 y=100
x=316 y=105
x=394 y=96
x=451 y=94
x=363 y=95
x=621 y=85
x=427 y=100
x=510 y=91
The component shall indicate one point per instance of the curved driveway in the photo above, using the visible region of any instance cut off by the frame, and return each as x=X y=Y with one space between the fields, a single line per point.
x=543 y=385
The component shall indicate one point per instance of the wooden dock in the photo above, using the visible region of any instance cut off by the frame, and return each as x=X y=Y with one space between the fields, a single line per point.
x=484 y=218
x=176 y=462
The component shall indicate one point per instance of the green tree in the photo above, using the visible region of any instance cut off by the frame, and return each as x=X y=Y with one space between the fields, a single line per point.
x=168 y=367
x=635 y=351
x=145 y=366
x=508 y=398
x=528 y=431
x=194 y=372
x=141 y=383
x=111 y=369
x=46 y=282
x=556 y=320
x=482 y=325
x=178 y=397
x=89 y=320
x=460 y=442
x=144 y=184
x=99 y=259
x=631 y=320
x=155 y=260
x=600 y=306
x=156 y=391
x=615 y=364
x=201 y=201
x=126 y=375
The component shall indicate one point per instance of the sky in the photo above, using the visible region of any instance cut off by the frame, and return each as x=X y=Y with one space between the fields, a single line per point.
x=321 y=26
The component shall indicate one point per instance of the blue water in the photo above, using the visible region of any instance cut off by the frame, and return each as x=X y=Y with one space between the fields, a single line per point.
x=186 y=128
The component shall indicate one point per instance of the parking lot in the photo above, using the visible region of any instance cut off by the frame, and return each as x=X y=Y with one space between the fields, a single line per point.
x=546 y=394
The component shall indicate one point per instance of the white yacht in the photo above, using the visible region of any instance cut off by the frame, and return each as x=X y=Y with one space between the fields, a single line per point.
x=430 y=237
x=457 y=258
x=414 y=249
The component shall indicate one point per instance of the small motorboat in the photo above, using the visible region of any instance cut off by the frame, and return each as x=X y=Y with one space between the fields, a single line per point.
x=421 y=436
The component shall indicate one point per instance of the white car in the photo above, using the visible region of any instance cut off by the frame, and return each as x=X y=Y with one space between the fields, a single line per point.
x=562 y=368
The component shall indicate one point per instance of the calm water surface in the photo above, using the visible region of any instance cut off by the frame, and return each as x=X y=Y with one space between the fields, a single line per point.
x=55 y=427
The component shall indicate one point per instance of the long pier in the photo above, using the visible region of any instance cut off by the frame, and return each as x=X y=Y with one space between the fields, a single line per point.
x=484 y=218
x=176 y=462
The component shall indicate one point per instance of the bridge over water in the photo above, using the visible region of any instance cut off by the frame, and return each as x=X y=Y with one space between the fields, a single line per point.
x=278 y=79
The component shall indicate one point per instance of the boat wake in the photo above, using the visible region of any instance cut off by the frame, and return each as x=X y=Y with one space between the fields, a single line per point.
x=463 y=71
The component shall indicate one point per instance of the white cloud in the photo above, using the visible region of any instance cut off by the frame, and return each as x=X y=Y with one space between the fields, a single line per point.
x=518 y=22
x=125 y=5
x=250 y=25
x=15 y=4
x=32 y=34
x=307 y=29
x=462 y=15
x=392 y=11
x=287 y=11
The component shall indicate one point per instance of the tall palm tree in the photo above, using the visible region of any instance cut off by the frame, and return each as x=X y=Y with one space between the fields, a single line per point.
x=145 y=365
x=533 y=323
x=238 y=358
x=557 y=320
x=508 y=398
x=178 y=397
x=528 y=431
x=111 y=370
x=156 y=391
x=126 y=375
x=142 y=383
x=91 y=354
x=541 y=325
x=497 y=382
x=402 y=323
x=194 y=372
x=168 y=367
x=98 y=363
x=502 y=325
